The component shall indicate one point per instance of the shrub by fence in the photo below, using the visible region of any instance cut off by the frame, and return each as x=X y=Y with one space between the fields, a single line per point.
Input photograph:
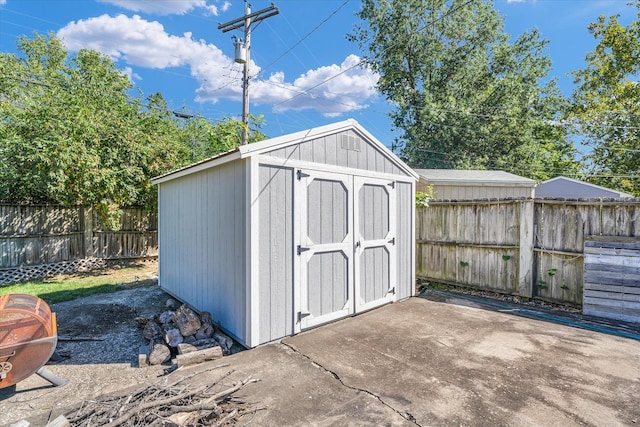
x=38 y=239
x=531 y=248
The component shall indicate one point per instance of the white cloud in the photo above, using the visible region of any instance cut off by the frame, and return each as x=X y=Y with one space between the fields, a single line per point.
x=3 y=1
x=141 y=43
x=166 y=7
x=330 y=90
x=163 y=7
x=128 y=71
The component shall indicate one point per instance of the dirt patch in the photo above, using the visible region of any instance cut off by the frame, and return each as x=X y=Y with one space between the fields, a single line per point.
x=95 y=319
x=98 y=343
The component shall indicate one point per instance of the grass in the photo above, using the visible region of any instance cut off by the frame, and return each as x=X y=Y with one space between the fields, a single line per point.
x=67 y=287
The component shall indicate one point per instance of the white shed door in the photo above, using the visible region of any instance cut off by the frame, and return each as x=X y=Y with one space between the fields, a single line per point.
x=326 y=247
x=375 y=251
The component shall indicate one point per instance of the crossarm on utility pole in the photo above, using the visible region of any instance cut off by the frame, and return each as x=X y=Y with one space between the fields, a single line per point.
x=245 y=22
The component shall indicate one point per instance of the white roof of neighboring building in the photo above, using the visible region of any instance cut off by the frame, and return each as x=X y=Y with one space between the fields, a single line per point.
x=561 y=186
x=473 y=177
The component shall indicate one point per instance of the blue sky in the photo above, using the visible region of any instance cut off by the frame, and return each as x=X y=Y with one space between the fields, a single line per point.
x=301 y=63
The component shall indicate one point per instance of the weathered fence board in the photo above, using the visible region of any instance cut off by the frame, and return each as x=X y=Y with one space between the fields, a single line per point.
x=553 y=253
x=32 y=235
x=471 y=243
x=612 y=277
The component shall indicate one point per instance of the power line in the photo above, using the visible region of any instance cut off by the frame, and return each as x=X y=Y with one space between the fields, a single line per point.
x=361 y=62
x=324 y=21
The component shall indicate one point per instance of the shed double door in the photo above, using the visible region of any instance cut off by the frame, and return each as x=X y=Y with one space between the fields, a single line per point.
x=346 y=246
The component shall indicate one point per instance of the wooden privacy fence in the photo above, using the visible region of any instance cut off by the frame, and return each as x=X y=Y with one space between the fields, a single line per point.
x=612 y=277
x=39 y=240
x=531 y=248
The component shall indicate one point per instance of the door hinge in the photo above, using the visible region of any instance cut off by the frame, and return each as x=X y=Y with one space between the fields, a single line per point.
x=392 y=241
x=302 y=249
x=392 y=184
x=302 y=315
x=392 y=291
x=302 y=175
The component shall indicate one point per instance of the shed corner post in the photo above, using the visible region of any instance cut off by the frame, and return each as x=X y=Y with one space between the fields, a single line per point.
x=86 y=224
x=252 y=248
x=414 y=241
x=525 y=262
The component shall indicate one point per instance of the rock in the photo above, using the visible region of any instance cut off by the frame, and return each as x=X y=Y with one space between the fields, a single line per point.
x=224 y=341
x=151 y=331
x=206 y=318
x=158 y=353
x=171 y=304
x=166 y=317
x=187 y=320
x=206 y=331
x=172 y=337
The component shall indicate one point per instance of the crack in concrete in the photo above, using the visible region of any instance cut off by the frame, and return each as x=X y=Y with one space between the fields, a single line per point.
x=407 y=416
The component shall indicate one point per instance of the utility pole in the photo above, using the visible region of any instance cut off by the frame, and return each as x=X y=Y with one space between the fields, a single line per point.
x=242 y=50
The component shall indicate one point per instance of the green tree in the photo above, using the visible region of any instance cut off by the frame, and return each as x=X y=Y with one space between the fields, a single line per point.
x=205 y=139
x=71 y=132
x=463 y=95
x=606 y=104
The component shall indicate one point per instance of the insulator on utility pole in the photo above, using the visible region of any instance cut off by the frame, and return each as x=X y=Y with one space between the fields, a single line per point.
x=242 y=51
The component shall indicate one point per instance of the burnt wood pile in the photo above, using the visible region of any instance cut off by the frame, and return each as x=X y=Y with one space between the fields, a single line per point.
x=184 y=334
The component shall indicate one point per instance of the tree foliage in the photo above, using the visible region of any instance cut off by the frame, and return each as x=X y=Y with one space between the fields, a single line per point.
x=464 y=96
x=71 y=132
x=606 y=103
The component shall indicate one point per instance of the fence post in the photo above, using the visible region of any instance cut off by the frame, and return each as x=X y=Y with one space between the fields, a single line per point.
x=525 y=273
x=87 y=229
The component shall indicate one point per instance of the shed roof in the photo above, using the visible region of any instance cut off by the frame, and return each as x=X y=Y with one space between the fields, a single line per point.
x=473 y=177
x=549 y=186
x=249 y=150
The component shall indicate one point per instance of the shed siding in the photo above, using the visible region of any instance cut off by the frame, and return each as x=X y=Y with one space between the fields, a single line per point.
x=405 y=239
x=330 y=150
x=202 y=242
x=275 y=201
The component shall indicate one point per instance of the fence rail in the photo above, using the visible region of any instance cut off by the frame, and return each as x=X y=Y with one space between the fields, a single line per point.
x=531 y=248
x=36 y=235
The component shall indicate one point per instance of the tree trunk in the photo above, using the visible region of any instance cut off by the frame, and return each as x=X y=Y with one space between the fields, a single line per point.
x=184 y=347
x=199 y=356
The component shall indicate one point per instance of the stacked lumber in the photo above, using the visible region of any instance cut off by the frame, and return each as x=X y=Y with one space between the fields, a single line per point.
x=184 y=334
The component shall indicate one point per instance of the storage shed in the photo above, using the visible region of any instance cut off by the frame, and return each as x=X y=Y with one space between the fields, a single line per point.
x=453 y=184
x=288 y=233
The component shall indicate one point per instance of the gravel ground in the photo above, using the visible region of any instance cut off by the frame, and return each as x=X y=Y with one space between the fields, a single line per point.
x=99 y=344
